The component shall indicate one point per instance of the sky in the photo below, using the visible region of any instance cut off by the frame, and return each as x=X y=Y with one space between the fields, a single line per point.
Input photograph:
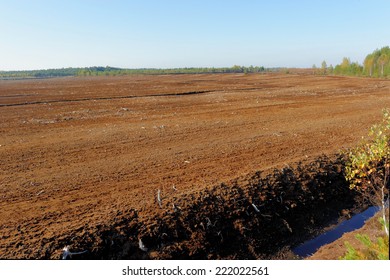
x=38 y=34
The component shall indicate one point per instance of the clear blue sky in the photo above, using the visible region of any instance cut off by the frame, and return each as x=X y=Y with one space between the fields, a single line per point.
x=37 y=34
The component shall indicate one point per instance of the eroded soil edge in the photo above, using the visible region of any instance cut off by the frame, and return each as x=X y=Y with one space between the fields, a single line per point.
x=260 y=216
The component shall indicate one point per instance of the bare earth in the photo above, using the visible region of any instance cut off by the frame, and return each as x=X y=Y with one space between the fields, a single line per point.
x=81 y=154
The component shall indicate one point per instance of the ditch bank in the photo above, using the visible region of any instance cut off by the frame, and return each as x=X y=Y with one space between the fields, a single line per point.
x=310 y=247
x=261 y=216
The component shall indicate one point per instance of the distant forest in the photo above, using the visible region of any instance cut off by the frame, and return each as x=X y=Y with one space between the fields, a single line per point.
x=111 y=71
x=376 y=64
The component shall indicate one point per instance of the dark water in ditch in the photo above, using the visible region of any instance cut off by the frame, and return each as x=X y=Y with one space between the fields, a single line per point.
x=310 y=247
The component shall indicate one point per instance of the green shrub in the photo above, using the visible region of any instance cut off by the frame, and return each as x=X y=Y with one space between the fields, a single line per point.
x=372 y=250
x=368 y=165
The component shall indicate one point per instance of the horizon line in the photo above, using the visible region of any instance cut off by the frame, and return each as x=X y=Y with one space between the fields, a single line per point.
x=151 y=68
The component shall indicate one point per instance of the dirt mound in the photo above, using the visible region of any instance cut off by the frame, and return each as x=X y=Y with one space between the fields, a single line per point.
x=253 y=217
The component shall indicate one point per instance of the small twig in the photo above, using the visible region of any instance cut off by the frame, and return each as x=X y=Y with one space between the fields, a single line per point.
x=287 y=225
x=159 y=200
x=175 y=208
x=69 y=254
x=142 y=246
x=208 y=222
x=255 y=207
x=266 y=216
x=40 y=192
x=220 y=234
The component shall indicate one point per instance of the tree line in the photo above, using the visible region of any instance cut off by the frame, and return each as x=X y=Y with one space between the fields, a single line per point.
x=46 y=73
x=376 y=64
x=112 y=71
x=108 y=71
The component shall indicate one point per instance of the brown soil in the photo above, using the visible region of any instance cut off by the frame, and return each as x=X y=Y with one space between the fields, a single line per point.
x=82 y=160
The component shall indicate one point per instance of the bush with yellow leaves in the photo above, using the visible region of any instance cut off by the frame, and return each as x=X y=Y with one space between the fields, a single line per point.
x=368 y=166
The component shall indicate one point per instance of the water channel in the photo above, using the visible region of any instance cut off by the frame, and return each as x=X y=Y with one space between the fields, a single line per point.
x=357 y=221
